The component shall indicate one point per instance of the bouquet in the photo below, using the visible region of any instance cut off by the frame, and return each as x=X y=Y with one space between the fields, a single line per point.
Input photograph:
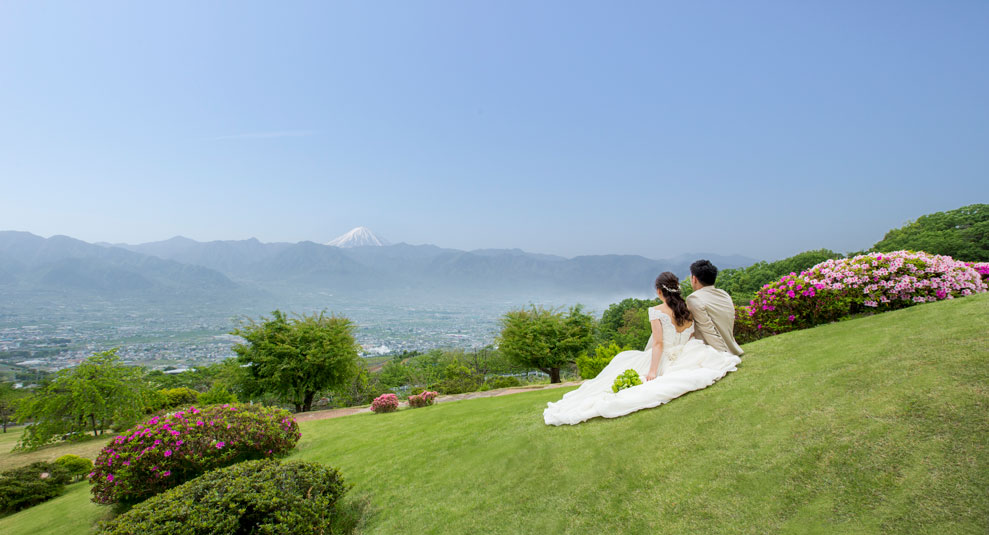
x=627 y=379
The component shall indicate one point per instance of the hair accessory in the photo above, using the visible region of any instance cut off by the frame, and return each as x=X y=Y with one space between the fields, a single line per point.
x=671 y=290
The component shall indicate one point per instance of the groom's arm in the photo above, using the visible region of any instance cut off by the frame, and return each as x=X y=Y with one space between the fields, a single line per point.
x=702 y=320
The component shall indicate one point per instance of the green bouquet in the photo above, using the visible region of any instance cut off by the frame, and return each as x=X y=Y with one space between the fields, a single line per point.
x=627 y=379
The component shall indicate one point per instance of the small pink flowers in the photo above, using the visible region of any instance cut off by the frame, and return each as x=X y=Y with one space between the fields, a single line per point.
x=385 y=403
x=850 y=285
x=212 y=440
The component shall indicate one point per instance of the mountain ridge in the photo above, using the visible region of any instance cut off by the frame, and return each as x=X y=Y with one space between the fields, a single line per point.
x=303 y=267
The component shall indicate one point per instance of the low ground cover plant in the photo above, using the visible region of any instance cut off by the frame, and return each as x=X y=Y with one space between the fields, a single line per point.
x=385 y=403
x=29 y=485
x=263 y=496
x=835 y=289
x=422 y=400
x=167 y=451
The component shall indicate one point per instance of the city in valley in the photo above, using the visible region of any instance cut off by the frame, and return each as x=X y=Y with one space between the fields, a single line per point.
x=170 y=337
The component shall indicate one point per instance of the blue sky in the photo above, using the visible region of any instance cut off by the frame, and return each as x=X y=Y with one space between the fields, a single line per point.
x=652 y=128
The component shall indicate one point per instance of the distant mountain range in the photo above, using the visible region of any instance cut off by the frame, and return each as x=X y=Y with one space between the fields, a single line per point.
x=362 y=263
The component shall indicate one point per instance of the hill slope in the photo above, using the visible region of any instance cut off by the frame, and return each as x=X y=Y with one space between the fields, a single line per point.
x=875 y=425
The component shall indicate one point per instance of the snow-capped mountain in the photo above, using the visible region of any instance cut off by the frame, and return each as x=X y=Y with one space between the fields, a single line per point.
x=358 y=237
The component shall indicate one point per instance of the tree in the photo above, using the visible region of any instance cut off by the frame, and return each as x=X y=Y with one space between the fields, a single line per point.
x=299 y=357
x=962 y=234
x=97 y=393
x=8 y=403
x=545 y=339
x=627 y=322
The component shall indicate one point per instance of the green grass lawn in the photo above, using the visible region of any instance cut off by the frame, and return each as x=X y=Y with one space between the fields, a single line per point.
x=89 y=449
x=874 y=425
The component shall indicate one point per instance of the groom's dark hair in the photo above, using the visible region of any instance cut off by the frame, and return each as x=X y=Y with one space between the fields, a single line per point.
x=705 y=272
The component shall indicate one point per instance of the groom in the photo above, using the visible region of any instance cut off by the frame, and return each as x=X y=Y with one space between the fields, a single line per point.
x=713 y=309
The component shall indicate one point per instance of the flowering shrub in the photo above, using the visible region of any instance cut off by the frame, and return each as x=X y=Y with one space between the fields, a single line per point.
x=793 y=302
x=627 y=379
x=982 y=268
x=251 y=497
x=385 y=403
x=422 y=400
x=836 y=288
x=899 y=279
x=169 y=450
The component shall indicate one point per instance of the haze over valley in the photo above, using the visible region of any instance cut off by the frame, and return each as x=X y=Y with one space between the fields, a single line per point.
x=172 y=303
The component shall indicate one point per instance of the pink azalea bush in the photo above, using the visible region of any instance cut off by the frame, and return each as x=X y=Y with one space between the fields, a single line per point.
x=837 y=288
x=385 y=403
x=982 y=268
x=169 y=450
x=422 y=400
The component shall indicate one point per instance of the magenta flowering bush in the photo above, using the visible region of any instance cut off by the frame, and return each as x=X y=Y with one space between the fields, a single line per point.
x=169 y=450
x=422 y=400
x=385 y=403
x=982 y=268
x=899 y=279
x=837 y=288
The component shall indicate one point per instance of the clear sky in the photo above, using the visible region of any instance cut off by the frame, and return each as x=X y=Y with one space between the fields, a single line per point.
x=653 y=128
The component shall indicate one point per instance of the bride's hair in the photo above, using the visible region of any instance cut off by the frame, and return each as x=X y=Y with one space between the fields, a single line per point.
x=669 y=284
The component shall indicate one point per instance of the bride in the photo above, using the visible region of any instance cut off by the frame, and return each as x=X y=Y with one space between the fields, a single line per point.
x=672 y=364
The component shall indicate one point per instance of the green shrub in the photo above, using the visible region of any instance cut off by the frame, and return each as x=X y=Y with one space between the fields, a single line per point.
x=179 y=397
x=458 y=379
x=627 y=379
x=38 y=482
x=169 y=450
x=77 y=467
x=251 y=497
x=589 y=366
x=217 y=395
x=501 y=381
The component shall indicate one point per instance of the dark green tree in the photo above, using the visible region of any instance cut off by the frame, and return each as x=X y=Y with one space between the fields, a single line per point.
x=627 y=322
x=962 y=234
x=9 y=397
x=295 y=358
x=545 y=339
x=92 y=396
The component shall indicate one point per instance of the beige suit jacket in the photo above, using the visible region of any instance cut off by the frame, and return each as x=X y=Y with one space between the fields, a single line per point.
x=714 y=318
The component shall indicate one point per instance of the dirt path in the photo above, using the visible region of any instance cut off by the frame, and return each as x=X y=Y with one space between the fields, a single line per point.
x=336 y=413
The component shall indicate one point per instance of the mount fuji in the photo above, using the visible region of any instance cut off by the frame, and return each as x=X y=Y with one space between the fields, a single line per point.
x=358 y=237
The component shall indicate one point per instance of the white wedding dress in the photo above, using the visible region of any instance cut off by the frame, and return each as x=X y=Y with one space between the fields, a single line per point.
x=686 y=364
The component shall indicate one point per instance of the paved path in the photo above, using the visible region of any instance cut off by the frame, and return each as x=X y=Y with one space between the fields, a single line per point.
x=336 y=413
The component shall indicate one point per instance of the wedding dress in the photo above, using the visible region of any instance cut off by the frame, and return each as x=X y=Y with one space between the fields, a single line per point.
x=686 y=364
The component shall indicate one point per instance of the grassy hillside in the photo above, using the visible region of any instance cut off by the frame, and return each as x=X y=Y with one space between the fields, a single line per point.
x=874 y=425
